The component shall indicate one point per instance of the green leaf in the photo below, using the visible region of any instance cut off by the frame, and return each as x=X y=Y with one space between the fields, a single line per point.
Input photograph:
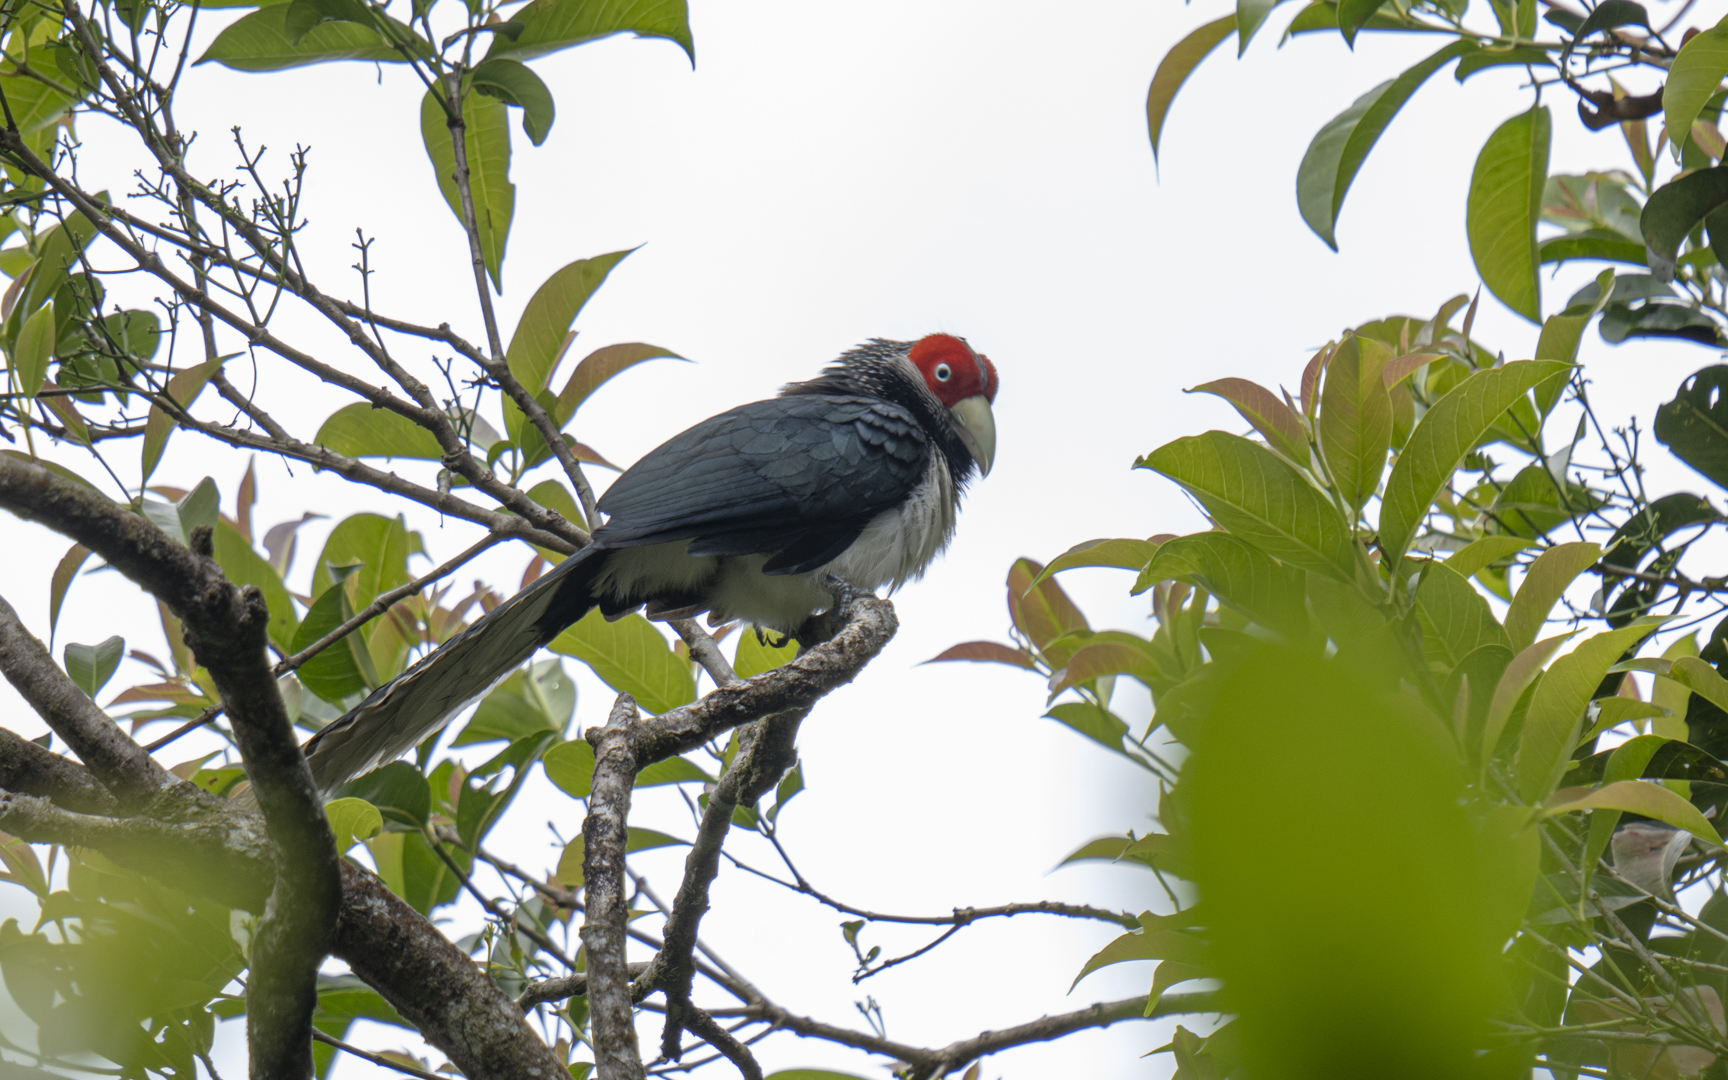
x=1543 y=584
x=1343 y=144
x=340 y=670
x=570 y=765
x=1250 y=14
x=34 y=349
x=1626 y=762
x=1482 y=59
x=262 y=41
x=513 y=83
x=1695 y=424
x=1260 y=498
x=1098 y=724
x=478 y=808
x=550 y=25
x=1702 y=679
x=183 y=389
x=1642 y=797
x=1481 y=553
x=91 y=666
x=352 y=820
x=361 y=430
x=1608 y=249
x=1121 y=554
x=536 y=698
x=1147 y=945
x=1455 y=618
x=1355 y=425
x=1504 y=204
x=1174 y=69
x=598 y=367
x=61 y=249
x=1674 y=210
x=1097 y=659
x=414 y=871
x=1695 y=74
x=1524 y=669
x=1239 y=574
x=540 y=333
x=244 y=566
x=398 y=790
x=201 y=506
x=377 y=544
x=487 y=139
x=631 y=657
x=61 y=581
x=1446 y=434
x=1556 y=715
x=569 y=872
x=1268 y=415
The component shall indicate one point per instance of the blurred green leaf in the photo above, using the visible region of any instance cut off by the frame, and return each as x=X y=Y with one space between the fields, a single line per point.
x=1329 y=954
x=1355 y=425
x=1260 y=498
x=540 y=697
x=1098 y=724
x=1504 y=204
x=415 y=872
x=1695 y=424
x=1122 y=554
x=1480 y=553
x=631 y=657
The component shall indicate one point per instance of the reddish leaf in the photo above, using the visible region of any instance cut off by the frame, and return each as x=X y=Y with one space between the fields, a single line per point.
x=1311 y=379
x=597 y=367
x=1105 y=658
x=1269 y=416
x=989 y=651
x=1042 y=612
x=1398 y=368
x=60 y=582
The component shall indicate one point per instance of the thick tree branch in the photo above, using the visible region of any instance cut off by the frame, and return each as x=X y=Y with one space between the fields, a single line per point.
x=120 y=764
x=604 y=833
x=30 y=769
x=435 y=986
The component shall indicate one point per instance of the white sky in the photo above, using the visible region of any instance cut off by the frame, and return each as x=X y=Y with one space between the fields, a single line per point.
x=831 y=172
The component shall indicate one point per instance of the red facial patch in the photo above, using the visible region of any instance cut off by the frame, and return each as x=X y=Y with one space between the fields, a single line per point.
x=952 y=371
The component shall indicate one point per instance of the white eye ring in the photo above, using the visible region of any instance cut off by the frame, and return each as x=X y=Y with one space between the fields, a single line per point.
x=943 y=372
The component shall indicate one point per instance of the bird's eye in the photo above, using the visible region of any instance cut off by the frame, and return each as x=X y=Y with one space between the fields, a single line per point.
x=943 y=372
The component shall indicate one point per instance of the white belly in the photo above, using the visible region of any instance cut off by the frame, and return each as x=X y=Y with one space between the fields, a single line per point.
x=894 y=548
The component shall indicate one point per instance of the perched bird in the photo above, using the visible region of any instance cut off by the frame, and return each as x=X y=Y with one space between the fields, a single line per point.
x=856 y=473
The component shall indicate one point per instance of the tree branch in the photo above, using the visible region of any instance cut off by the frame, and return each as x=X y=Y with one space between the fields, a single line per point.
x=604 y=834
x=30 y=769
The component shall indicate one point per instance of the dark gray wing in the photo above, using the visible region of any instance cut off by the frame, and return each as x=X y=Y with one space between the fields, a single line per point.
x=796 y=478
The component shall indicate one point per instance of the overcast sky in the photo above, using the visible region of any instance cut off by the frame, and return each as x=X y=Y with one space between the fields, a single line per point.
x=832 y=172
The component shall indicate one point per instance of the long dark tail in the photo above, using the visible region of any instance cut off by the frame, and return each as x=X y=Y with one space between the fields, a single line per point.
x=398 y=715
